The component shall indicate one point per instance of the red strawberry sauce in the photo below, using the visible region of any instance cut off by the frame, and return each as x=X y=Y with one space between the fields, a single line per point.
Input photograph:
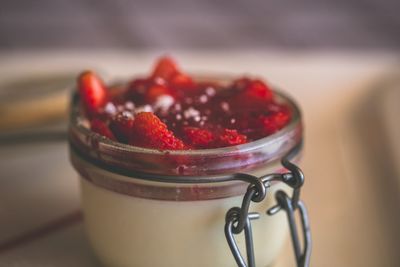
x=169 y=110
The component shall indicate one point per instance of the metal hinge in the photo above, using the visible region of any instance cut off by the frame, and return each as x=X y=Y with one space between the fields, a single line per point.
x=238 y=218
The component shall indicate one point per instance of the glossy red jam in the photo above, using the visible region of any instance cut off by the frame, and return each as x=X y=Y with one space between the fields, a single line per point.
x=169 y=110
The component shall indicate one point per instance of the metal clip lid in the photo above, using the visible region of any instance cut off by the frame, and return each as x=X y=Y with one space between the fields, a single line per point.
x=239 y=219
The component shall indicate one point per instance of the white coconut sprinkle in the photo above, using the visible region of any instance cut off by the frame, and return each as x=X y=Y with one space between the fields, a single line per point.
x=178 y=117
x=127 y=114
x=178 y=107
x=225 y=106
x=145 y=108
x=159 y=81
x=210 y=91
x=190 y=113
x=110 y=108
x=164 y=102
x=203 y=99
x=129 y=105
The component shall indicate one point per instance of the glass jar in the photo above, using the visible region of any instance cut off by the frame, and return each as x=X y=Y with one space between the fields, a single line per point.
x=144 y=207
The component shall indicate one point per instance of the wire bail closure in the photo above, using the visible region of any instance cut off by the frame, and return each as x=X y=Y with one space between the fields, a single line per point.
x=238 y=219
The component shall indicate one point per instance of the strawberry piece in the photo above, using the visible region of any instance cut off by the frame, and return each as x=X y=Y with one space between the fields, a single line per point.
x=155 y=91
x=275 y=121
x=181 y=81
x=258 y=89
x=101 y=128
x=241 y=84
x=251 y=94
x=199 y=138
x=137 y=90
x=121 y=125
x=203 y=114
x=149 y=131
x=92 y=91
x=230 y=137
x=165 y=68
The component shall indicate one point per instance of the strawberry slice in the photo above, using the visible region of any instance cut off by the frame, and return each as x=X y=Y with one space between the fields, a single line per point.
x=149 y=131
x=275 y=121
x=165 y=68
x=92 y=91
x=230 y=137
x=199 y=138
x=181 y=81
x=251 y=94
x=258 y=89
x=121 y=125
x=101 y=127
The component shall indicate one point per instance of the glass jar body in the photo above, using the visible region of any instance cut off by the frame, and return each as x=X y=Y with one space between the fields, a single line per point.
x=144 y=207
x=127 y=230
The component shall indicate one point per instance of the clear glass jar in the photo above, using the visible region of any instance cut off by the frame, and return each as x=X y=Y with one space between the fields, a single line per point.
x=144 y=207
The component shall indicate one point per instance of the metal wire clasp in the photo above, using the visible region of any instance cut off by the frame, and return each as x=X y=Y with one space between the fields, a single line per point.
x=239 y=219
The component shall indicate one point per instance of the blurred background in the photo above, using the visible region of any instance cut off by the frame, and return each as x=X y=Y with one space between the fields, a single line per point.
x=179 y=24
x=339 y=59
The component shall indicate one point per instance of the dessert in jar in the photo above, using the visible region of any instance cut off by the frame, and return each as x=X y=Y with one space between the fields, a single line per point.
x=151 y=153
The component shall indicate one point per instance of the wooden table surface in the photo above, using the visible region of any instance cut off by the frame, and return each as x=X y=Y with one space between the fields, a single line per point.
x=352 y=182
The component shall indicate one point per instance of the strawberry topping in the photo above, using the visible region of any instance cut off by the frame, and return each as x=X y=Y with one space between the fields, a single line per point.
x=121 y=125
x=275 y=122
x=149 y=131
x=199 y=138
x=93 y=92
x=165 y=68
x=169 y=110
x=101 y=128
x=231 y=138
